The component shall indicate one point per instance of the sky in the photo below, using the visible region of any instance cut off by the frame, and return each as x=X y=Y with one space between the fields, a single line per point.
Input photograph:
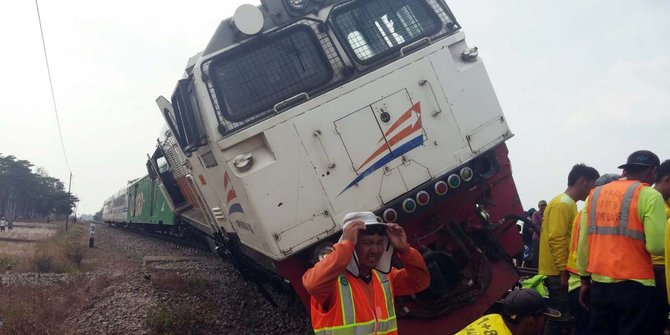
x=579 y=81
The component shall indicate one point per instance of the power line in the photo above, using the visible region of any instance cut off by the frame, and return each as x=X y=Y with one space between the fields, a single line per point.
x=51 y=85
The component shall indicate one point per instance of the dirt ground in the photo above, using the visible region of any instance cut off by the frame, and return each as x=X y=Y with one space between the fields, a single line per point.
x=21 y=240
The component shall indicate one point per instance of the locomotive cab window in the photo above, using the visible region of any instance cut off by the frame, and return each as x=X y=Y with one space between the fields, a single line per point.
x=373 y=29
x=185 y=124
x=251 y=81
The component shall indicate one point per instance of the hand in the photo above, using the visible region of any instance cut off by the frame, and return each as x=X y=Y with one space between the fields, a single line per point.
x=350 y=231
x=397 y=237
x=564 y=279
x=585 y=294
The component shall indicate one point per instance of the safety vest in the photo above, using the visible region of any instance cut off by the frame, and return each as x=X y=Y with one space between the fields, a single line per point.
x=536 y=283
x=616 y=232
x=571 y=265
x=350 y=312
x=491 y=324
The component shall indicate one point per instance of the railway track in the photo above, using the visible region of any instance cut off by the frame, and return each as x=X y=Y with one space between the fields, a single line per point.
x=179 y=242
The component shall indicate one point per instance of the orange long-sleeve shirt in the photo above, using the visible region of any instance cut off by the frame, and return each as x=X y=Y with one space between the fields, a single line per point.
x=321 y=280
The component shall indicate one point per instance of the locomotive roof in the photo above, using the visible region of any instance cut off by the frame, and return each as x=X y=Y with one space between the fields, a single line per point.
x=276 y=13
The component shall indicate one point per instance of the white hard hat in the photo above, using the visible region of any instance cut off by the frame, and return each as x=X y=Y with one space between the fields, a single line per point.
x=369 y=219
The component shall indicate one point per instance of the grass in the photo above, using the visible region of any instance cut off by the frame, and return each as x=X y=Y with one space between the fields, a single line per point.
x=181 y=318
x=28 y=309
x=7 y=263
x=40 y=309
x=174 y=319
x=172 y=281
x=63 y=252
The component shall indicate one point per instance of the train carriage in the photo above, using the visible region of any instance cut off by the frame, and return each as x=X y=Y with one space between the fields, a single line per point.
x=115 y=208
x=140 y=204
x=147 y=206
x=300 y=111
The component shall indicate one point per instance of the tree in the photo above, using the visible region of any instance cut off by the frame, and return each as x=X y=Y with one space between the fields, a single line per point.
x=98 y=216
x=29 y=194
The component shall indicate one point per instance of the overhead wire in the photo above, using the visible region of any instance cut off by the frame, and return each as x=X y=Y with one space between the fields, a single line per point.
x=51 y=86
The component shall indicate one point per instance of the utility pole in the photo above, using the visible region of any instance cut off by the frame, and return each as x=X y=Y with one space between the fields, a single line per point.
x=69 y=196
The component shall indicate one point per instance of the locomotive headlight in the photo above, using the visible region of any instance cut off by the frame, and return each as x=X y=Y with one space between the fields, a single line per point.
x=297 y=4
x=467 y=174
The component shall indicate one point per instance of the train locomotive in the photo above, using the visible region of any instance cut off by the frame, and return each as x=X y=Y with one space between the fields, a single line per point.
x=300 y=111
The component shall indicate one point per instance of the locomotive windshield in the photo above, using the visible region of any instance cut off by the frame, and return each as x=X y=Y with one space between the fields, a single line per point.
x=254 y=79
x=373 y=28
x=302 y=60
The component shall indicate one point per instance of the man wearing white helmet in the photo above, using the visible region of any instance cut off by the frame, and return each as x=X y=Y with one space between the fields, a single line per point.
x=358 y=273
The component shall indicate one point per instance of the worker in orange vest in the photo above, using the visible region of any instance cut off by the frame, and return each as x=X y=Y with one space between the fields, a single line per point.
x=580 y=314
x=622 y=225
x=358 y=273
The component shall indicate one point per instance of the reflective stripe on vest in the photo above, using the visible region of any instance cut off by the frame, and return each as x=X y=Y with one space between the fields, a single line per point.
x=622 y=228
x=388 y=294
x=348 y=309
x=571 y=264
x=390 y=324
x=350 y=326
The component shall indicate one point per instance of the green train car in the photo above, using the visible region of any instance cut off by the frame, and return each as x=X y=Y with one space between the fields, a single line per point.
x=141 y=204
x=147 y=205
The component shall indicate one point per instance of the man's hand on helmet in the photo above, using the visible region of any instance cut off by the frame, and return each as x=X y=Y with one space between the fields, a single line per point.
x=397 y=237
x=350 y=231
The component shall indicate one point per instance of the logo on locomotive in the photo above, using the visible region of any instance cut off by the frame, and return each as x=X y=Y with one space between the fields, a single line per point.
x=404 y=135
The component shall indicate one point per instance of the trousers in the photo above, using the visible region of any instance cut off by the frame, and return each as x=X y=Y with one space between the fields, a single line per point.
x=661 y=314
x=625 y=308
x=558 y=299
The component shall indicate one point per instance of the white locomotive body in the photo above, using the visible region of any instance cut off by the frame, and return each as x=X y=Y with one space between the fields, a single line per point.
x=295 y=115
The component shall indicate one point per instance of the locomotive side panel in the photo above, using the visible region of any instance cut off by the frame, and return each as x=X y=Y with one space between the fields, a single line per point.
x=283 y=202
x=467 y=87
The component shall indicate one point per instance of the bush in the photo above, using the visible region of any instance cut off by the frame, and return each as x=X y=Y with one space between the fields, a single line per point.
x=75 y=253
x=61 y=253
x=7 y=263
x=43 y=262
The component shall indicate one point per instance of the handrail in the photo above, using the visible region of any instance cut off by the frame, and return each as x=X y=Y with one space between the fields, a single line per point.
x=415 y=44
x=289 y=100
x=200 y=198
x=317 y=133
